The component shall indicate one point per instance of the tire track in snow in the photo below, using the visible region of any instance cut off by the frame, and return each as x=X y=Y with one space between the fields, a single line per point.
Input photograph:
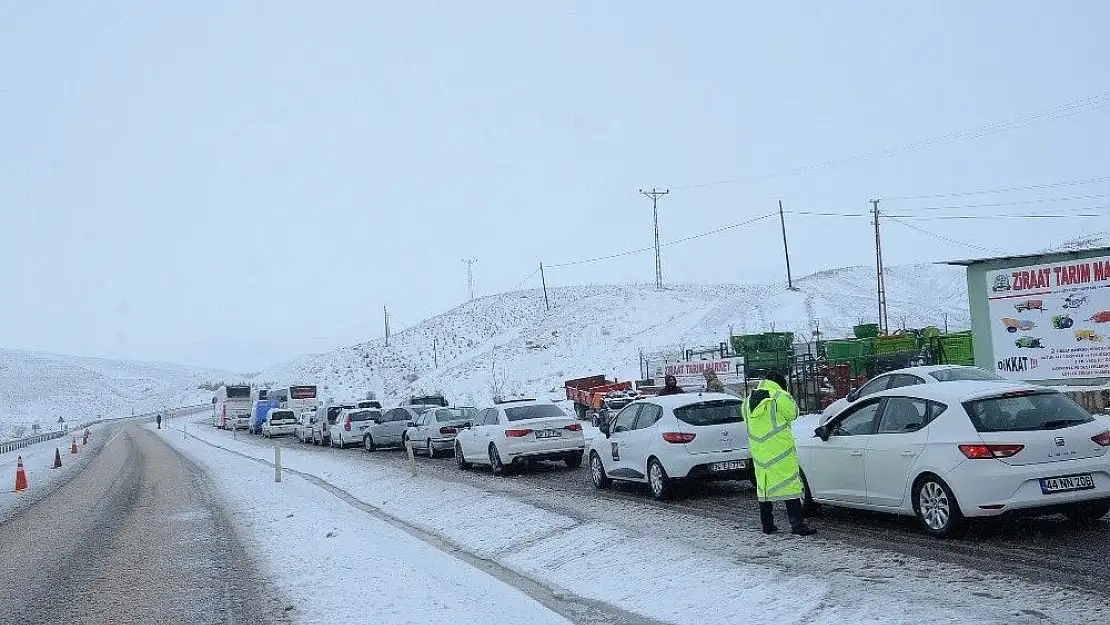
x=576 y=608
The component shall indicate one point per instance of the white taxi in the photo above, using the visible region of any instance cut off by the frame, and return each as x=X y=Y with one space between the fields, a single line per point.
x=664 y=440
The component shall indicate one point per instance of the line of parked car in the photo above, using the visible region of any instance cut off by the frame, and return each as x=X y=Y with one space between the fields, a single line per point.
x=942 y=443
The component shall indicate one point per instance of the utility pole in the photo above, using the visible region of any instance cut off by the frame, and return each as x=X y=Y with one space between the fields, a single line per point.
x=543 y=281
x=655 y=195
x=470 y=275
x=386 y=313
x=435 y=351
x=880 y=281
x=785 y=249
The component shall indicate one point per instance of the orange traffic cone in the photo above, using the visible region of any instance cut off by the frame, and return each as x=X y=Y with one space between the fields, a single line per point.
x=73 y=447
x=57 y=458
x=86 y=441
x=20 y=475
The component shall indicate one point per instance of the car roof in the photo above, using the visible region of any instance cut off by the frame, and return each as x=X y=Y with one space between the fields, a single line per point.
x=959 y=390
x=926 y=369
x=684 y=399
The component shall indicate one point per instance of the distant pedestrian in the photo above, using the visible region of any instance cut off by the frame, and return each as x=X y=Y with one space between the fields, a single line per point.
x=670 y=386
x=713 y=384
x=769 y=412
x=159 y=420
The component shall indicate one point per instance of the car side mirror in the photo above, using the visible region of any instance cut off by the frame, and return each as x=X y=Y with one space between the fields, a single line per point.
x=853 y=396
x=822 y=432
x=411 y=424
x=604 y=427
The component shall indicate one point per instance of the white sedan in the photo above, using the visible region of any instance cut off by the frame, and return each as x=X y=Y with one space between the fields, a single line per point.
x=518 y=432
x=435 y=430
x=665 y=440
x=912 y=376
x=944 y=452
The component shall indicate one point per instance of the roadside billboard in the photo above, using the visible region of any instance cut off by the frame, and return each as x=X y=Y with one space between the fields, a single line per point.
x=692 y=373
x=1051 y=322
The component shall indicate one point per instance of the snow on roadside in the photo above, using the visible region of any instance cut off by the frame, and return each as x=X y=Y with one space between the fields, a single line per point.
x=340 y=565
x=38 y=464
x=614 y=564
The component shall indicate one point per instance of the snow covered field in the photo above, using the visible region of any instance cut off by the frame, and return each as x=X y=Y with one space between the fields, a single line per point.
x=668 y=569
x=510 y=343
x=39 y=388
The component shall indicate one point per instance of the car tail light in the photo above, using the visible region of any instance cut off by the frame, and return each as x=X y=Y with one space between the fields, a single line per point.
x=517 y=433
x=678 y=437
x=448 y=430
x=1102 y=440
x=347 y=425
x=574 y=427
x=977 y=452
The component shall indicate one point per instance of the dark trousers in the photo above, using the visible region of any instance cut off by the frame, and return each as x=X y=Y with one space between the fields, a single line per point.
x=794 y=512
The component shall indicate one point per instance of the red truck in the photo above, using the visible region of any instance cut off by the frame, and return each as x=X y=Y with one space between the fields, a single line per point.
x=588 y=394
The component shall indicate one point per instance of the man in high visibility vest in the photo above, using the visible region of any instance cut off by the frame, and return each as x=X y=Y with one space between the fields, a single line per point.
x=769 y=412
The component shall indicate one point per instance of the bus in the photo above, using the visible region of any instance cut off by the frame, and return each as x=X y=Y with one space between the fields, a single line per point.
x=295 y=397
x=231 y=407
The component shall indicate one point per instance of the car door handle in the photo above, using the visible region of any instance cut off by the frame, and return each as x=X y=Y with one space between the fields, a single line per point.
x=857 y=454
x=908 y=453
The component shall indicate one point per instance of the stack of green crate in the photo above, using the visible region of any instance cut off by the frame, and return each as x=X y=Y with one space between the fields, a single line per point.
x=856 y=353
x=767 y=351
x=893 y=344
x=866 y=330
x=956 y=348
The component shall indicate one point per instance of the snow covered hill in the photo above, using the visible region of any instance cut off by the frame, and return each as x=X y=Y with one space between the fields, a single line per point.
x=38 y=388
x=509 y=343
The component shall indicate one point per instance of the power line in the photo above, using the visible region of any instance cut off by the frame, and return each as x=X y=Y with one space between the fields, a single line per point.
x=1003 y=216
x=1029 y=187
x=942 y=237
x=1068 y=109
x=1046 y=200
x=646 y=249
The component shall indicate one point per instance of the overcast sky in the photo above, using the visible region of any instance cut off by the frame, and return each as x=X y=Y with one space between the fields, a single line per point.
x=235 y=183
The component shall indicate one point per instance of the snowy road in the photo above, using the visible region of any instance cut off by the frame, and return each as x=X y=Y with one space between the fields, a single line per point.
x=705 y=550
x=134 y=537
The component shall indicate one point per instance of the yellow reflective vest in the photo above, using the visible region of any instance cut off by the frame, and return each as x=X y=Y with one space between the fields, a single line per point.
x=774 y=456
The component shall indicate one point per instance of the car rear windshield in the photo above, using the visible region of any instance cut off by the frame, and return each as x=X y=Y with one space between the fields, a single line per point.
x=714 y=412
x=450 y=414
x=282 y=415
x=536 y=411
x=964 y=373
x=364 y=415
x=1026 y=411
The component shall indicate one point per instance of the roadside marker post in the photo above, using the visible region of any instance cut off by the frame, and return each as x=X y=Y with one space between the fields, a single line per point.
x=412 y=456
x=277 y=460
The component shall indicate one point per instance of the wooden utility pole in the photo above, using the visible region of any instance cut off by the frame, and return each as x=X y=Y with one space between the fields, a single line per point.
x=543 y=280
x=655 y=195
x=785 y=248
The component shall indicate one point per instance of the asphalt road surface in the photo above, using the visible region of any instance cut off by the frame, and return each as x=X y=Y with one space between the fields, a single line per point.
x=1046 y=549
x=134 y=538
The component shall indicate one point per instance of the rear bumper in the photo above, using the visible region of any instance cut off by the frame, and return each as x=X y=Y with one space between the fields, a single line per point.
x=549 y=454
x=983 y=488
x=443 y=444
x=697 y=466
x=280 y=431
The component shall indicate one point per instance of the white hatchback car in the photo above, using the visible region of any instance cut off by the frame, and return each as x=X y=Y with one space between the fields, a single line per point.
x=280 y=422
x=944 y=452
x=690 y=436
x=520 y=431
x=351 y=425
x=912 y=376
